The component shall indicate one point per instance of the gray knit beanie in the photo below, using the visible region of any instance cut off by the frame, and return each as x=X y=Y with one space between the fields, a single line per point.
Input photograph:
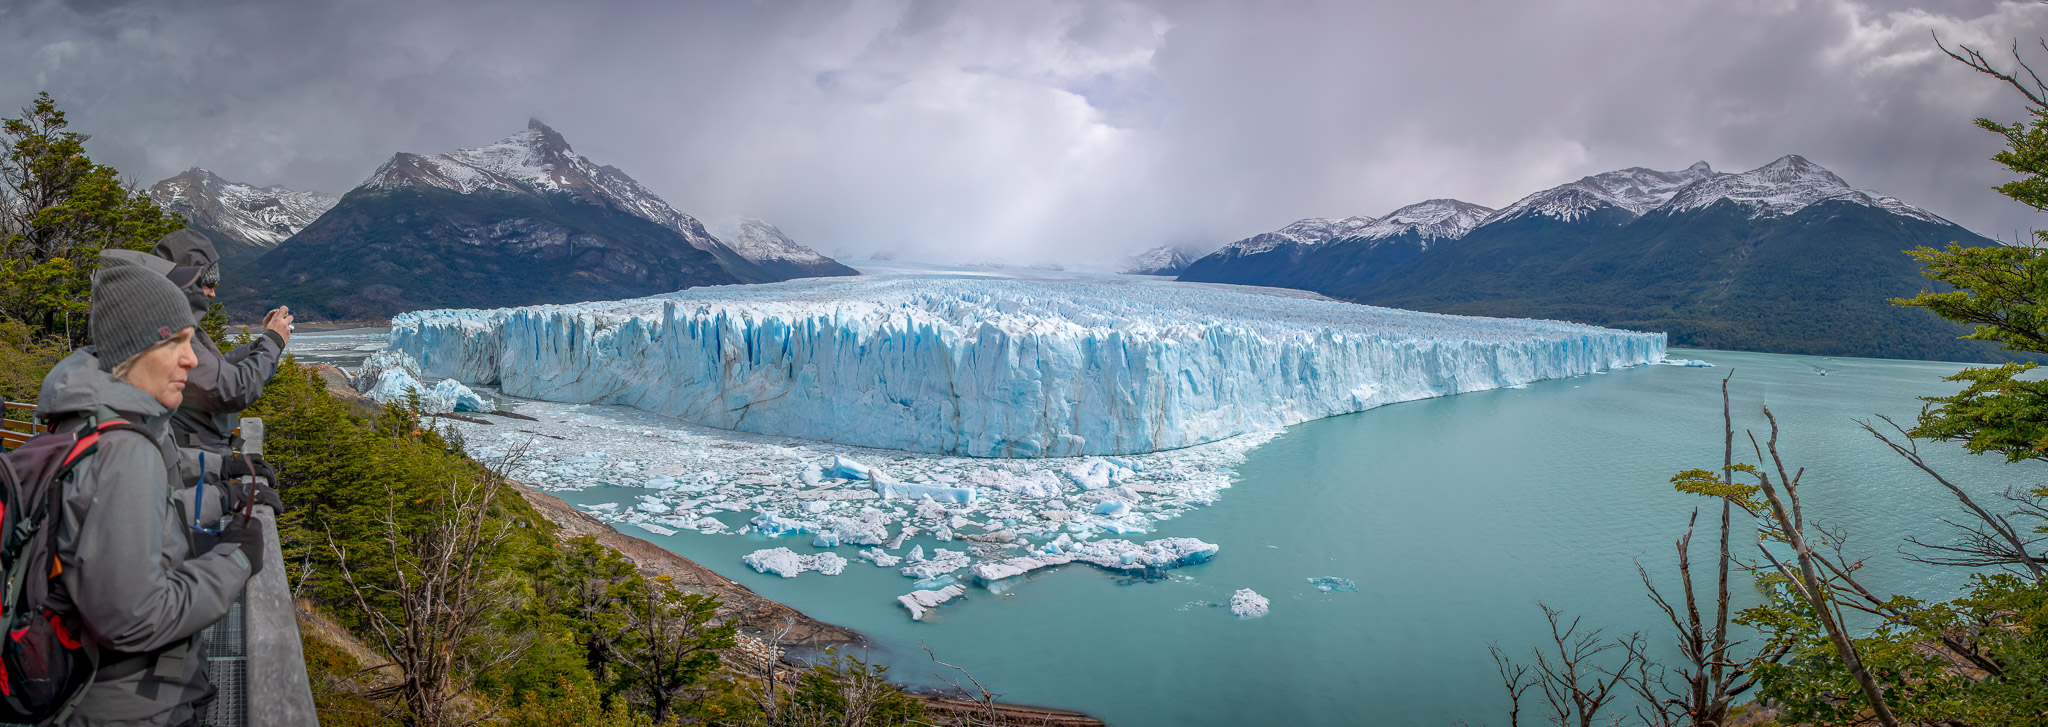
x=133 y=307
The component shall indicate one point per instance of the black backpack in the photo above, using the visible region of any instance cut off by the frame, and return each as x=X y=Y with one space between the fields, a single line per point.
x=44 y=666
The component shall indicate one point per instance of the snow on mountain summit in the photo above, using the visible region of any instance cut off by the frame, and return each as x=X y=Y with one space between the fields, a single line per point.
x=1308 y=231
x=757 y=240
x=1436 y=219
x=1785 y=186
x=260 y=216
x=766 y=246
x=1161 y=260
x=539 y=160
x=1635 y=189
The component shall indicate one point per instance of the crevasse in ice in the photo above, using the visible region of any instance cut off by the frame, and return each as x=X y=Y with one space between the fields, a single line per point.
x=970 y=364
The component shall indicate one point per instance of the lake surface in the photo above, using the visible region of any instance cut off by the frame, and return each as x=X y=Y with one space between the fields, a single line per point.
x=1454 y=516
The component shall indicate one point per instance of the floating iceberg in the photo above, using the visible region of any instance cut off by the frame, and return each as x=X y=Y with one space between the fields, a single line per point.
x=1333 y=584
x=941 y=562
x=1248 y=604
x=393 y=376
x=786 y=563
x=966 y=364
x=775 y=526
x=1117 y=555
x=918 y=602
x=1686 y=362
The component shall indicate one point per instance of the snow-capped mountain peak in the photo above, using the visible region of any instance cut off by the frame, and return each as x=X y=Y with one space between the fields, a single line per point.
x=1161 y=260
x=1307 y=231
x=757 y=240
x=1783 y=187
x=539 y=160
x=260 y=216
x=1436 y=219
x=1636 y=190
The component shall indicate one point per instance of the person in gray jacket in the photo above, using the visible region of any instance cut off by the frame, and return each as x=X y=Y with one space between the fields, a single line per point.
x=223 y=384
x=128 y=567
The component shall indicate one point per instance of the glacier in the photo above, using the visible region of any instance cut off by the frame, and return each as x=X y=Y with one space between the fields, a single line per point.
x=969 y=363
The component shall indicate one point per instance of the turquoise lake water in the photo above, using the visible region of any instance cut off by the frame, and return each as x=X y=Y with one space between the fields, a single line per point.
x=1455 y=516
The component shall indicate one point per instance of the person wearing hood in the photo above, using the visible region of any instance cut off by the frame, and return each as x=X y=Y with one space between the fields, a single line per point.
x=128 y=566
x=223 y=384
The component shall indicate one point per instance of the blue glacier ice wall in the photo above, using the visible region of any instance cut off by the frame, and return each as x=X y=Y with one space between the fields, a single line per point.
x=999 y=367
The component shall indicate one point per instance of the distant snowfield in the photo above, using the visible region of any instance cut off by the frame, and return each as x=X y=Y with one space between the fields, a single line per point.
x=831 y=415
x=999 y=364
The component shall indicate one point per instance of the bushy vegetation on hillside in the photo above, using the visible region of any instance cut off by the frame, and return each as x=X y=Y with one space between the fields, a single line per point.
x=531 y=629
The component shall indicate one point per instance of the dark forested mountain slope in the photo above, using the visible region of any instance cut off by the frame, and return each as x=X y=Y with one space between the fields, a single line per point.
x=522 y=221
x=1785 y=258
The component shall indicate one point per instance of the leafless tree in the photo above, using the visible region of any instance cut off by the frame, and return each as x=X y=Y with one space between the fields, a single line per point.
x=1712 y=677
x=1815 y=578
x=444 y=600
x=2031 y=87
x=1568 y=675
x=1992 y=541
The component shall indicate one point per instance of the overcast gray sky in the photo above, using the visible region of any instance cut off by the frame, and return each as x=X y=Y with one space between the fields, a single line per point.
x=1042 y=130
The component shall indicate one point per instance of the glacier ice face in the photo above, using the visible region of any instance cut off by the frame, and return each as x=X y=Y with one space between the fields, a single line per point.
x=972 y=364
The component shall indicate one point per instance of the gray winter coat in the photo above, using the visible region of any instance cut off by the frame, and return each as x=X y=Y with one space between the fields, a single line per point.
x=220 y=387
x=128 y=568
x=224 y=383
x=216 y=391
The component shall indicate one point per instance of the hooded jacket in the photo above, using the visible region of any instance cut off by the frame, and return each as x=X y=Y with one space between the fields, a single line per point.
x=223 y=384
x=129 y=570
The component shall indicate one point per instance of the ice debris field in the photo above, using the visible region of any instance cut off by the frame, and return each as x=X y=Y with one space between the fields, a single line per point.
x=1014 y=424
x=985 y=366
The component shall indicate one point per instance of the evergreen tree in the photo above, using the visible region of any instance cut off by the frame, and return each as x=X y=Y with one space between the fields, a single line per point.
x=58 y=210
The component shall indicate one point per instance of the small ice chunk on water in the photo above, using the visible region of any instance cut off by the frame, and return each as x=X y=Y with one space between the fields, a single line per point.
x=891 y=490
x=880 y=557
x=1096 y=473
x=826 y=539
x=1247 y=604
x=942 y=561
x=933 y=584
x=847 y=469
x=1040 y=484
x=866 y=530
x=1333 y=584
x=775 y=526
x=656 y=529
x=918 y=602
x=1113 y=508
x=786 y=563
x=811 y=476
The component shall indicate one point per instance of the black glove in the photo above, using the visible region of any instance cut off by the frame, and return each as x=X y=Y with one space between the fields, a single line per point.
x=260 y=494
x=246 y=533
x=239 y=466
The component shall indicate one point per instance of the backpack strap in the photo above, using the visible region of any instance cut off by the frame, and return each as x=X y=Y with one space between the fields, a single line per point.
x=42 y=547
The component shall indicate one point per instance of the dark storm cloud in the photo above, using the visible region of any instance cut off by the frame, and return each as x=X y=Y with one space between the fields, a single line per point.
x=1042 y=130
